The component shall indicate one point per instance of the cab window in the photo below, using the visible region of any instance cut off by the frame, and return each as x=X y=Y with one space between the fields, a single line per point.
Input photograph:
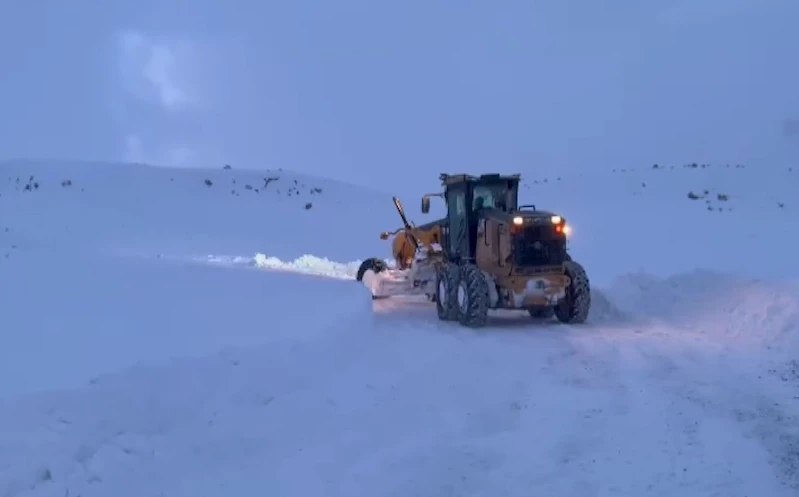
x=483 y=198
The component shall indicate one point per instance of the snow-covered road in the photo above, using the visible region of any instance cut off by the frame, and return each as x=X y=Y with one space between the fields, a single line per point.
x=137 y=365
x=627 y=408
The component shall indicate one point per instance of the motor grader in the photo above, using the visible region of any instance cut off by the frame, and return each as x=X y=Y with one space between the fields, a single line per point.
x=487 y=253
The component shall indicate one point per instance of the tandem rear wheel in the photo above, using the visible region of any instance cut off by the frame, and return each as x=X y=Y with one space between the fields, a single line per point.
x=462 y=295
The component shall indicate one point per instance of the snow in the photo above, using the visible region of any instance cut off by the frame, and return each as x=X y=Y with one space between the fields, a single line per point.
x=162 y=337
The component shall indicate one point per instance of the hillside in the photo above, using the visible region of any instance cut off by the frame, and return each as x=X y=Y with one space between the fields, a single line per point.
x=164 y=336
x=674 y=218
x=142 y=209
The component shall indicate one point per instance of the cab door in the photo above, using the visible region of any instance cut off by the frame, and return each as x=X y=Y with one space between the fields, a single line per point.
x=456 y=233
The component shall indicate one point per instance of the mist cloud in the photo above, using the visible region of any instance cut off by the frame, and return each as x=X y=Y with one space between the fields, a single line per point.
x=158 y=78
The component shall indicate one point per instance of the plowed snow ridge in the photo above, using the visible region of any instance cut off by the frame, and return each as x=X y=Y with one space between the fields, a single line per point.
x=306 y=264
x=711 y=303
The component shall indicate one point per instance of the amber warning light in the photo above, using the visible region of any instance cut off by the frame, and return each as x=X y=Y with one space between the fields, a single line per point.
x=563 y=228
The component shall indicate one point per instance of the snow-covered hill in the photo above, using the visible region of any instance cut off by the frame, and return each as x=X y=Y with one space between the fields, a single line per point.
x=150 y=347
x=667 y=219
x=136 y=208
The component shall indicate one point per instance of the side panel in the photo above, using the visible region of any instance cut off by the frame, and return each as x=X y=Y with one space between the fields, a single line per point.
x=484 y=253
x=493 y=251
x=505 y=248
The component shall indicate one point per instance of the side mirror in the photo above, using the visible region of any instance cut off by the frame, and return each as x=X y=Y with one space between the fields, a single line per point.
x=384 y=235
x=425 y=204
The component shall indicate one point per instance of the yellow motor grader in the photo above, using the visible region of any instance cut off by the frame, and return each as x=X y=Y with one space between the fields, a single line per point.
x=487 y=253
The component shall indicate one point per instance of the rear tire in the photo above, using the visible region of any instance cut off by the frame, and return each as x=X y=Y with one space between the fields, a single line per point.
x=374 y=264
x=447 y=277
x=446 y=296
x=575 y=306
x=473 y=297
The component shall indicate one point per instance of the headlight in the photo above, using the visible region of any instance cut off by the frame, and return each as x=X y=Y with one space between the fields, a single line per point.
x=567 y=230
x=518 y=221
x=556 y=219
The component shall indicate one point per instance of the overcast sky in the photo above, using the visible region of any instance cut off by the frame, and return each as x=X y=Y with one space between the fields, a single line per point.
x=371 y=91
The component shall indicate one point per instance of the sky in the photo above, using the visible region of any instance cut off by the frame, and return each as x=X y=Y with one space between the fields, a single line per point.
x=385 y=92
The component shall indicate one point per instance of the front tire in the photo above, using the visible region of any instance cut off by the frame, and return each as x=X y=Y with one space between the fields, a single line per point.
x=374 y=264
x=575 y=306
x=473 y=297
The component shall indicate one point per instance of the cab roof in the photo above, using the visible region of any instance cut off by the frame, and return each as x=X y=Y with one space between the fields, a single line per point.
x=452 y=179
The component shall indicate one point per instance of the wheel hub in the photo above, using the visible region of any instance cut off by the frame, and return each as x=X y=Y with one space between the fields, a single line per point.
x=463 y=297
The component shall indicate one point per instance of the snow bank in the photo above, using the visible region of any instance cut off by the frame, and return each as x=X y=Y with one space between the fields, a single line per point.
x=74 y=317
x=715 y=304
x=604 y=310
x=159 y=425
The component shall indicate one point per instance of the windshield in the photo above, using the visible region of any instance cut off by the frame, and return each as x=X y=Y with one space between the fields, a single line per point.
x=500 y=195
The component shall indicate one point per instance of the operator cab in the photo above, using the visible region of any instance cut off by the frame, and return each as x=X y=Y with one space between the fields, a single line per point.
x=500 y=194
x=480 y=208
x=469 y=199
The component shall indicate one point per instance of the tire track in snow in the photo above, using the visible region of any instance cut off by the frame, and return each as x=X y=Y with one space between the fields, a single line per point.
x=733 y=423
x=628 y=397
x=570 y=428
x=620 y=405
